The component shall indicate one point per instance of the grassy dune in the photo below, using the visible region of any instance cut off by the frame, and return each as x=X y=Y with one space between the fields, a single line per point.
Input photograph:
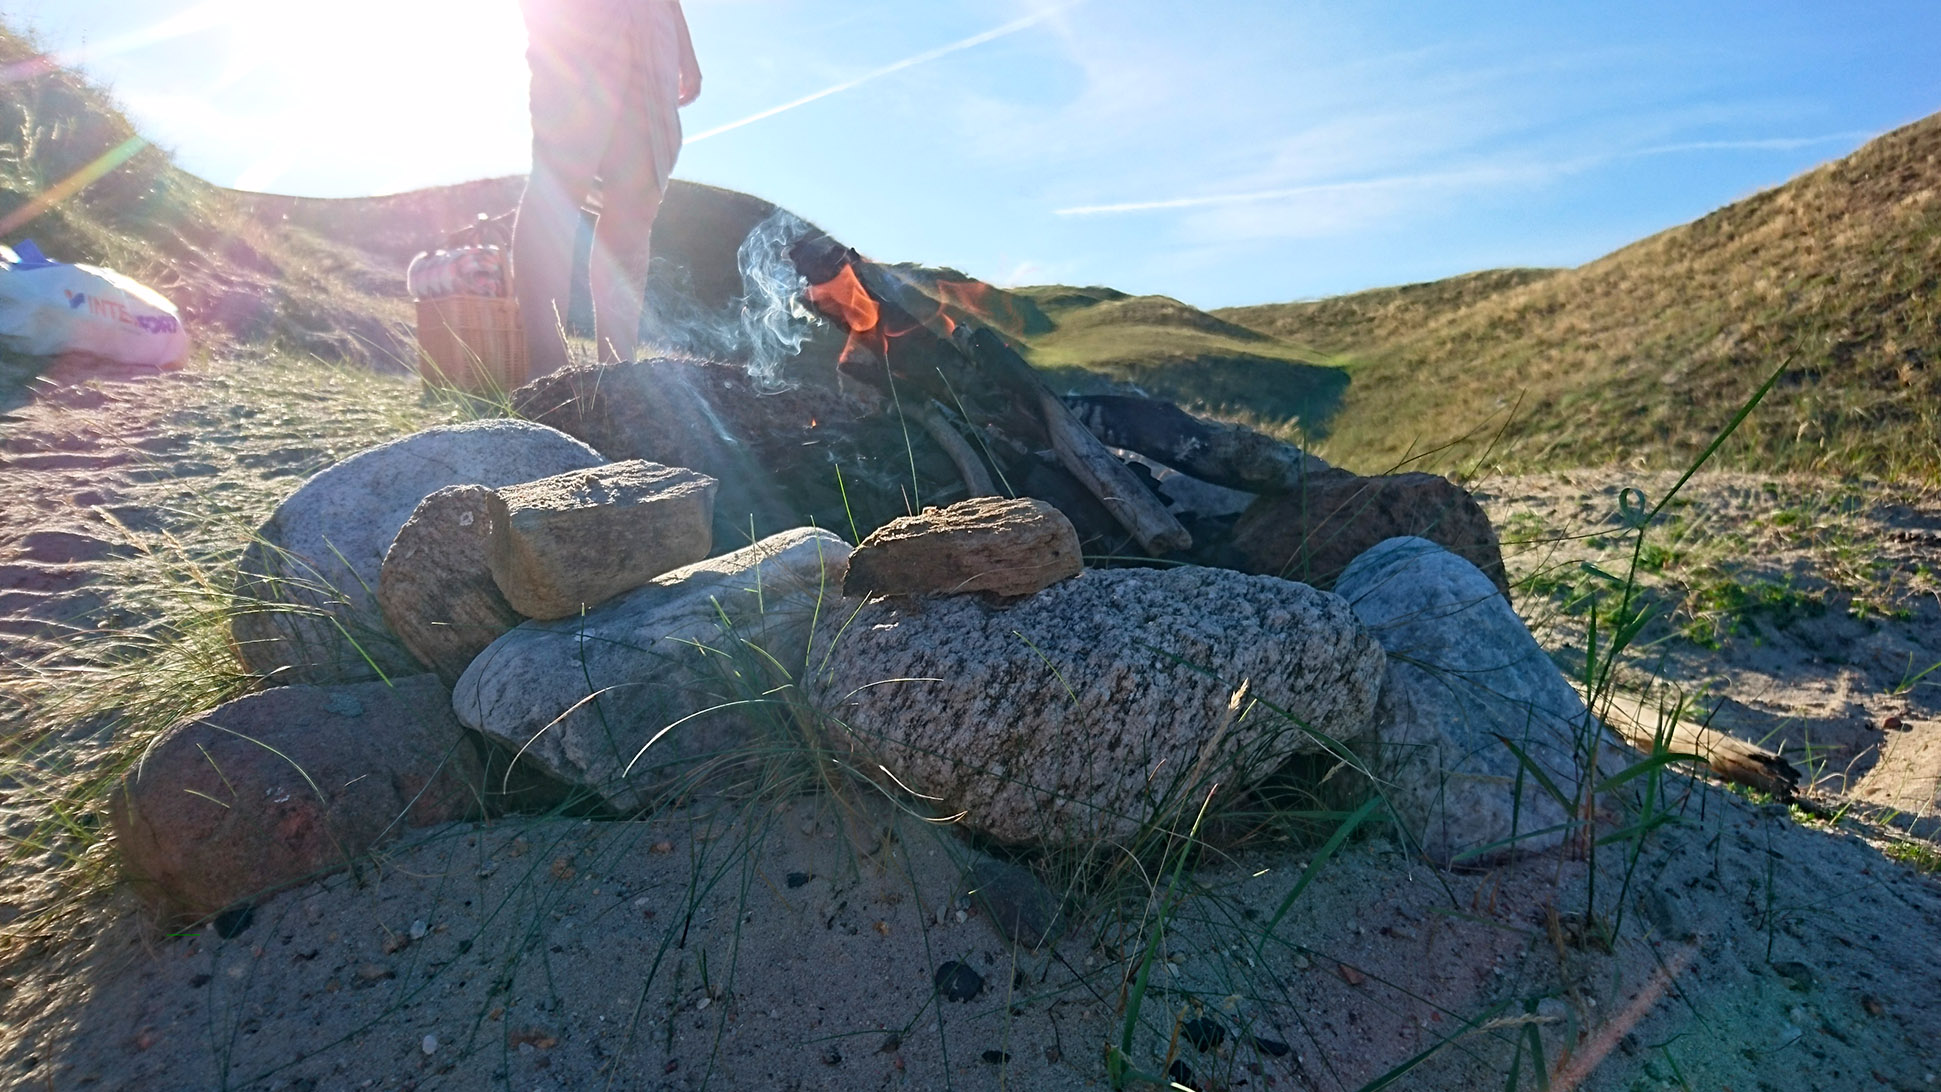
x=1361 y=322
x=78 y=179
x=1834 y=278
x=1102 y=339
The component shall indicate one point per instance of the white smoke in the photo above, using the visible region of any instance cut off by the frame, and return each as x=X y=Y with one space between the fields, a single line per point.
x=763 y=327
x=775 y=319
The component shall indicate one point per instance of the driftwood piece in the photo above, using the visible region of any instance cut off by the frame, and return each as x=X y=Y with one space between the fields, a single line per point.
x=1728 y=757
x=1213 y=451
x=969 y=467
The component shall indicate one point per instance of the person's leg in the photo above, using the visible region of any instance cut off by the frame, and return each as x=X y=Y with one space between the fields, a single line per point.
x=580 y=65
x=633 y=177
x=622 y=240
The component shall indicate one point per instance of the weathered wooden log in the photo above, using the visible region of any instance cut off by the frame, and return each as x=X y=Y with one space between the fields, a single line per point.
x=969 y=467
x=1078 y=451
x=1728 y=757
x=1213 y=451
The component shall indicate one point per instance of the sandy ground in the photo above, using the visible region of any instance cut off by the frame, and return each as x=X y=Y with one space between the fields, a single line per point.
x=1830 y=675
x=796 y=944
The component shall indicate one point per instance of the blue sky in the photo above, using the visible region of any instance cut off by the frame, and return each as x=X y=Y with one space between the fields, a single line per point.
x=1220 y=151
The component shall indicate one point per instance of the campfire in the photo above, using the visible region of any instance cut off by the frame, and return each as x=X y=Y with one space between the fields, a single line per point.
x=903 y=341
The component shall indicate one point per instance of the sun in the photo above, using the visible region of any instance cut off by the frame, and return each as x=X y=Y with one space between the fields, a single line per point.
x=405 y=83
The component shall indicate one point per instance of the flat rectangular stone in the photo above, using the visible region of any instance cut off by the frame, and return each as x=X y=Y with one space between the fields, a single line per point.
x=565 y=544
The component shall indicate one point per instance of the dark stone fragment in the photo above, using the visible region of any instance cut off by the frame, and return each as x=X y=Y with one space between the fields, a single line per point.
x=776 y=454
x=1312 y=534
x=1273 y=1048
x=1180 y=1071
x=1797 y=975
x=1020 y=907
x=832 y=1057
x=799 y=879
x=231 y=922
x=1205 y=1034
x=997 y=1057
x=198 y=981
x=958 y=982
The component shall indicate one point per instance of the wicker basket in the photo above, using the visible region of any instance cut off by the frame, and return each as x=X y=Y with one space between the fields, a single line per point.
x=474 y=343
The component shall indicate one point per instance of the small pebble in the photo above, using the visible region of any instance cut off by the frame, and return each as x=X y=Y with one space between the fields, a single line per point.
x=1273 y=1048
x=796 y=879
x=430 y=1044
x=1204 y=1034
x=958 y=982
x=419 y=929
x=231 y=923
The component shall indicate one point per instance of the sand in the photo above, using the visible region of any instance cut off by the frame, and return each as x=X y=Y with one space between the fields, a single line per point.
x=795 y=943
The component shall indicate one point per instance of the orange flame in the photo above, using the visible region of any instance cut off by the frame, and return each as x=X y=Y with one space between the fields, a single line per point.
x=971 y=296
x=842 y=298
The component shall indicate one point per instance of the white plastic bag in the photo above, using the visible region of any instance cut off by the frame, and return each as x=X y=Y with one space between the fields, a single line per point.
x=48 y=308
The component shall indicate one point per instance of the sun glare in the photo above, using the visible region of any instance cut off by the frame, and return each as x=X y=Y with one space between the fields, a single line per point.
x=413 y=84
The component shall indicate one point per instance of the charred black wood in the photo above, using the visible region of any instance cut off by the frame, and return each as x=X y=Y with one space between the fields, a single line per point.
x=1213 y=451
x=1079 y=452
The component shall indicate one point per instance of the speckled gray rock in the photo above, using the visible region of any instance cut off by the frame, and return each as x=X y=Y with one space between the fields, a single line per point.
x=582 y=697
x=1085 y=711
x=985 y=544
x=292 y=783
x=575 y=540
x=1462 y=671
x=308 y=583
x=437 y=593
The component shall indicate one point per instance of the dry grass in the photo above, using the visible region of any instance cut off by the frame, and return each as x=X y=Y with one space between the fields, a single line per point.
x=78 y=179
x=1635 y=357
x=1346 y=327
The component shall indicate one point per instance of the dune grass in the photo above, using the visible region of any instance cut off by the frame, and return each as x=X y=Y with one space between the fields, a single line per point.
x=156 y=648
x=1630 y=358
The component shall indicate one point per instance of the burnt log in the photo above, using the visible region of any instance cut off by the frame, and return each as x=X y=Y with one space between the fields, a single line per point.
x=1102 y=474
x=1213 y=451
x=904 y=343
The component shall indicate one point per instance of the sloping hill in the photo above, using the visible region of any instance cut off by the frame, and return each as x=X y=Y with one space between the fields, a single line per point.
x=1343 y=326
x=1644 y=354
x=1101 y=339
x=78 y=179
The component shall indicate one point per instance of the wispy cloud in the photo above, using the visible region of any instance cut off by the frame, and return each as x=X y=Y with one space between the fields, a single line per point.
x=1425 y=181
x=975 y=40
x=1466 y=178
x=1770 y=144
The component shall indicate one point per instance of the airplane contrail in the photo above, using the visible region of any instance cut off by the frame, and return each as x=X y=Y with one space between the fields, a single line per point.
x=908 y=62
x=1396 y=182
x=1471 y=176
